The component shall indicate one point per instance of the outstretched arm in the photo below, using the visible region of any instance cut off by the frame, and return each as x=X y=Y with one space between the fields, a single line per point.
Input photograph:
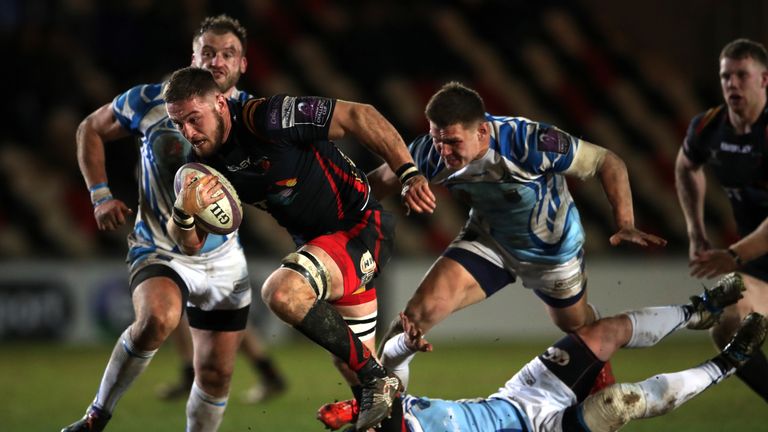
x=714 y=262
x=376 y=133
x=99 y=127
x=691 y=187
x=612 y=172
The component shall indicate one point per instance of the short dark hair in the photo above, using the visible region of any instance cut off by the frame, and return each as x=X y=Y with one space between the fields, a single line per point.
x=743 y=48
x=222 y=24
x=187 y=83
x=455 y=103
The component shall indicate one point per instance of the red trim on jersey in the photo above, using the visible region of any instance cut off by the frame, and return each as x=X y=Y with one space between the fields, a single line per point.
x=377 y=224
x=707 y=118
x=364 y=297
x=339 y=207
x=349 y=179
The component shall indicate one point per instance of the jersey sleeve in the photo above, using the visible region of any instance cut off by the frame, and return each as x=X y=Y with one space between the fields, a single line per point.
x=134 y=108
x=299 y=119
x=694 y=147
x=426 y=158
x=539 y=147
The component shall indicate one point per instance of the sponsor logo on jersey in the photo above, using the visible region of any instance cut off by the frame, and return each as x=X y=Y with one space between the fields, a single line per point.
x=367 y=268
x=260 y=166
x=553 y=140
x=735 y=148
x=241 y=286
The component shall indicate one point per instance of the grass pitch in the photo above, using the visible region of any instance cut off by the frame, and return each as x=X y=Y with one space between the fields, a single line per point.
x=45 y=387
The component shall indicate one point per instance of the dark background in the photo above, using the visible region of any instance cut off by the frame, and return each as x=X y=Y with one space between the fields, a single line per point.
x=625 y=75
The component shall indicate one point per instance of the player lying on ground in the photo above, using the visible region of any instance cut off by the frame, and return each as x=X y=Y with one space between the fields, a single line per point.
x=550 y=393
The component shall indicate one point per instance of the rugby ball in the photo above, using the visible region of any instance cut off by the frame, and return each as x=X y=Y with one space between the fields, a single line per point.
x=223 y=216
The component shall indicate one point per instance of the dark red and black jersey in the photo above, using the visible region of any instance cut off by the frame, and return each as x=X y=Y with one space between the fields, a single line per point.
x=738 y=162
x=279 y=158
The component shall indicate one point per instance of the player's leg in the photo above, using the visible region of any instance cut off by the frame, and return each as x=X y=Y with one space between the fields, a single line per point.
x=214 y=364
x=182 y=342
x=272 y=382
x=298 y=293
x=449 y=286
x=158 y=295
x=457 y=279
x=611 y=408
x=755 y=372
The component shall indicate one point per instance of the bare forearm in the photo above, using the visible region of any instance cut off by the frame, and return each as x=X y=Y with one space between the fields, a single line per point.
x=96 y=129
x=189 y=241
x=373 y=131
x=691 y=188
x=383 y=182
x=615 y=180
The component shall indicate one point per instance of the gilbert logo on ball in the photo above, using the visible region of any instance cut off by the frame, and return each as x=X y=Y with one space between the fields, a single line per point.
x=221 y=217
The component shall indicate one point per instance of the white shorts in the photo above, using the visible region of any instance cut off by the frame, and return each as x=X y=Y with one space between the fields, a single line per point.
x=216 y=280
x=558 y=281
x=541 y=395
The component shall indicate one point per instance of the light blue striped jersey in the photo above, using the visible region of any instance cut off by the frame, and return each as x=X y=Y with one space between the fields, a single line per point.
x=141 y=111
x=488 y=415
x=516 y=190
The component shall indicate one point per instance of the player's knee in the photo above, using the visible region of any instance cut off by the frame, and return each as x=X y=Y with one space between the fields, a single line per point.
x=215 y=379
x=284 y=294
x=311 y=270
x=156 y=326
x=611 y=408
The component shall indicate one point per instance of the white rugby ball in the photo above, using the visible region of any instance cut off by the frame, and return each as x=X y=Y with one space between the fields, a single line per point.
x=223 y=216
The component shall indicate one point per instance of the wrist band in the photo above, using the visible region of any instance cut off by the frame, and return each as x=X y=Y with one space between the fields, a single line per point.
x=406 y=172
x=97 y=186
x=100 y=194
x=735 y=256
x=183 y=220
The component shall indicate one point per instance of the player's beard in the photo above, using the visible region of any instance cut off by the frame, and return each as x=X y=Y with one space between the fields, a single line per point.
x=230 y=81
x=219 y=132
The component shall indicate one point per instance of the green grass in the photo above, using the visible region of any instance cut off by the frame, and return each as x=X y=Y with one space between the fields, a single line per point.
x=45 y=387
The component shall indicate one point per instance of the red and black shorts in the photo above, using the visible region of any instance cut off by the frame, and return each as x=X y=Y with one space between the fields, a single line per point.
x=360 y=252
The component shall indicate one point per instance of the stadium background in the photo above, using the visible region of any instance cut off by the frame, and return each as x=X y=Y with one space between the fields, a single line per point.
x=625 y=75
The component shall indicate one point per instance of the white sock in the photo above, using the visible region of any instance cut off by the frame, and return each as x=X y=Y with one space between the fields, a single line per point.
x=665 y=392
x=204 y=412
x=396 y=356
x=125 y=365
x=652 y=324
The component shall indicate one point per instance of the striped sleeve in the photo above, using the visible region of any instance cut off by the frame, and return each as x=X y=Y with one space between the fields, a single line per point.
x=132 y=107
x=538 y=147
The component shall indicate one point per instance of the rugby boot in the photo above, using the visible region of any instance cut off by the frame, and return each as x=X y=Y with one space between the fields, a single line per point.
x=337 y=414
x=748 y=339
x=604 y=378
x=709 y=305
x=95 y=420
x=376 y=402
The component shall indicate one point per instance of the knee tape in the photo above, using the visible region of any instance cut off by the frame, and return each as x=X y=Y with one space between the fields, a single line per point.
x=611 y=408
x=308 y=266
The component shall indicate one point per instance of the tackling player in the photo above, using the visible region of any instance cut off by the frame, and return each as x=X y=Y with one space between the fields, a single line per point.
x=551 y=392
x=213 y=286
x=523 y=222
